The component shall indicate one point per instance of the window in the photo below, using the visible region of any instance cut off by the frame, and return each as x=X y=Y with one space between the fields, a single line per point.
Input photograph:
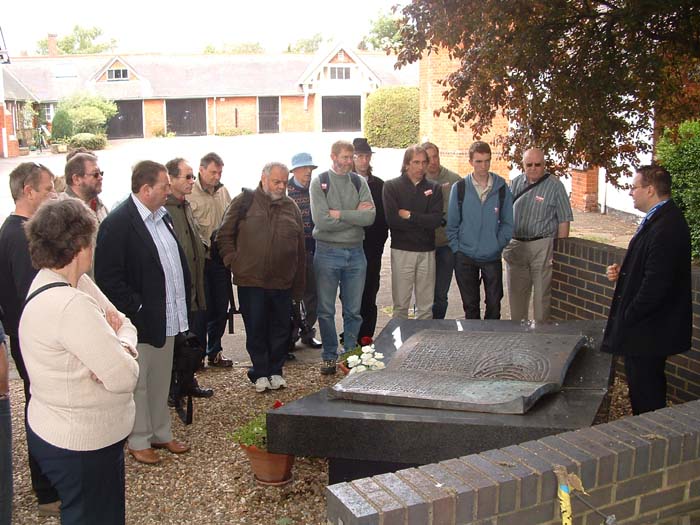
x=47 y=112
x=340 y=73
x=118 y=74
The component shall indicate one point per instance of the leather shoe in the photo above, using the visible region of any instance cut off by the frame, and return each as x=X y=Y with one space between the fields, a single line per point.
x=312 y=342
x=201 y=392
x=147 y=456
x=174 y=446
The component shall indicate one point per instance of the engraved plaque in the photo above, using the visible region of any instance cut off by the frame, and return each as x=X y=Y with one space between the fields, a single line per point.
x=474 y=371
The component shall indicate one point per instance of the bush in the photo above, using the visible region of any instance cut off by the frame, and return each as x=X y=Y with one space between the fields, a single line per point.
x=61 y=125
x=88 y=113
x=89 y=141
x=679 y=152
x=232 y=132
x=392 y=117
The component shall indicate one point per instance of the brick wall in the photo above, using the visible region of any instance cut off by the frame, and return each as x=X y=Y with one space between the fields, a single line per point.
x=154 y=117
x=454 y=145
x=229 y=113
x=580 y=290
x=643 y=469
x=293 y=115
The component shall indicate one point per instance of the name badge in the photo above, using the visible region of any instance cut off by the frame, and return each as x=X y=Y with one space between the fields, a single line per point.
x=428 y=193
x=539 y=198
x=324 y=186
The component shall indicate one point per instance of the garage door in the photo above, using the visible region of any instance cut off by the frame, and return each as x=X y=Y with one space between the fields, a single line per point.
x=128 y=122
x=187 y=116
x=341 y=114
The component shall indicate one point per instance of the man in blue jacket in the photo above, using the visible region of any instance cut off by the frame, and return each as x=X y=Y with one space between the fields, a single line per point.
x=479 y=226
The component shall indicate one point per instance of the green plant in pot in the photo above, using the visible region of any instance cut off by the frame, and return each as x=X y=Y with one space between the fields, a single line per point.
x=268 y=468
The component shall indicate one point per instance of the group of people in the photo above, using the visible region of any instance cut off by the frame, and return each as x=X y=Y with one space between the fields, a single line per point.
x=93 y=301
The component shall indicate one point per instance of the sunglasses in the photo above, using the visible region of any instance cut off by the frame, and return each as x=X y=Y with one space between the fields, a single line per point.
x=99 y=173
x=531 y=164
x=189 y=176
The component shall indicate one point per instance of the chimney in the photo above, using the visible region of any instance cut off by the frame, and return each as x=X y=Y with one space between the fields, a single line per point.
x=53 y=45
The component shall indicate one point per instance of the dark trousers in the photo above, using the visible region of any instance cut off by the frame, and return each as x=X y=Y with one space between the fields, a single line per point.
x=45 y=493
x=5 y=462
x=216 y=278
x=469 y=273
x=267 y=320
x=646 y=378
x=310 y=298
x=444 y=269
x=368 y=307
x=90 y=483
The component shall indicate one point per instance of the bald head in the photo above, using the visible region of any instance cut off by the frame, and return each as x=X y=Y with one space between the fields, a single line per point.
x=533 y=164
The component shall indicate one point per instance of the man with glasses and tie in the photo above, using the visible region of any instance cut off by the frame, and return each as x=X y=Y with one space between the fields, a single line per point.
x=651 y=314
x=542 y=212
x=84 y=182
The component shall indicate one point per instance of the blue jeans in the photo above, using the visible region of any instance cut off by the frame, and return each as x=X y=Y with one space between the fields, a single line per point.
x=5 y=461
x=267 y=318
x=444 y=268
x=344 y=267
x=90 y=483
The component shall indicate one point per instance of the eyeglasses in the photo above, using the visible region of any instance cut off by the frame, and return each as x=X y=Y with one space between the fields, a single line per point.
x=189 y=176
x=98 y=173
x=633 y=188
x=531 y=164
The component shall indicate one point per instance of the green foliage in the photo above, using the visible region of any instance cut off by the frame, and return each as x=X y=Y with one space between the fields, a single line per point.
x=582 y=80
x=232 y=132
x=392 y=117
x=384 y=33
x=343 y=358
x=306 y=45
x=80 y=42
x=89 y=141
x=238 y=48
x=679 y=152
x=61 y=125
x=254 y=432
x=88 y=113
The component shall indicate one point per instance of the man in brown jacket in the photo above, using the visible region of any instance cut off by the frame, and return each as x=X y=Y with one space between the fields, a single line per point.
x=262 y=241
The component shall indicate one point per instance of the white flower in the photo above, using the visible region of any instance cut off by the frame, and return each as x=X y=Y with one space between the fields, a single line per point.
x=378 y=355
x=366 y=358
x=358 y=369
x=378 y=365
x=372 y=362
x=353 y=360
x=367 y=348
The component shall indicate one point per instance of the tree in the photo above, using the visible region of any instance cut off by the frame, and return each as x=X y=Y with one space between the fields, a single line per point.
x=582 y=79
x=306 y=45
x=392 y=117
x=239 y=48
x=80 y=42
x=384 y=33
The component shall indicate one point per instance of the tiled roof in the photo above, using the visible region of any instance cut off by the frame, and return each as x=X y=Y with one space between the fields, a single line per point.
x=183 y=76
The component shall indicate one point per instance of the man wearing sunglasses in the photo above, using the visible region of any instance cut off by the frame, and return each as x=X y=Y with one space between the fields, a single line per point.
x=84 y=181
x=542 y=212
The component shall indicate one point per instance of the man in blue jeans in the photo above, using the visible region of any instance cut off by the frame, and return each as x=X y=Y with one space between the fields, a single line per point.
x=341 y=206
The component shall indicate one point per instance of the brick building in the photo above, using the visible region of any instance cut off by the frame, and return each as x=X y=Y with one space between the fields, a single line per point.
x=207 y=94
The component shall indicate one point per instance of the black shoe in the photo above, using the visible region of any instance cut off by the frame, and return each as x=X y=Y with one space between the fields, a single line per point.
x=201 y=392
x=291 y=356
x=174 y=403
x=311 y=342
x=219 y=361
x=328 y=367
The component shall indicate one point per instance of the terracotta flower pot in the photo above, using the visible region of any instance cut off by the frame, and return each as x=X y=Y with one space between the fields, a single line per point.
x=343 y=368
x=269 y=468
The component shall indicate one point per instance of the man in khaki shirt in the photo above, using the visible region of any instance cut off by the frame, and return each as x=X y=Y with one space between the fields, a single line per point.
x=209 y=200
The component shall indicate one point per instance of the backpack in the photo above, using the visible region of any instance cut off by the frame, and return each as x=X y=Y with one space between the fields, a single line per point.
x=324 y=179
x=461 y=188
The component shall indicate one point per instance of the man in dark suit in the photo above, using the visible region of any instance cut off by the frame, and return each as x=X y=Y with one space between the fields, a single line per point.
x=141 y=268
x=651 y=312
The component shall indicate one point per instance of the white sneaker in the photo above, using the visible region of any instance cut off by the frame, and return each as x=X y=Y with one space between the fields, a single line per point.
x=277 y=382
x=262 y=384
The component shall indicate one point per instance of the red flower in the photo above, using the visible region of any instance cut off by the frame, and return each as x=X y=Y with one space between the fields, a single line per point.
x=366 y=340
x=277 y=404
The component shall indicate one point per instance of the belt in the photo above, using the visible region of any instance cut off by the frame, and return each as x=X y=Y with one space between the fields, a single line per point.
x=528 y=239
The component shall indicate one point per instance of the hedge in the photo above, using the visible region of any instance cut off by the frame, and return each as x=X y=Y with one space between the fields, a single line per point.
x=678 y=151
x=392 y=117
x=88 y=140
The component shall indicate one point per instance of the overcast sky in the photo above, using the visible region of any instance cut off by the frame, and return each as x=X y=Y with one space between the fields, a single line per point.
x=159 y=26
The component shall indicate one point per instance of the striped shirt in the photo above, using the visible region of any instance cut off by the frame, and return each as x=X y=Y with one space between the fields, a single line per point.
x=164 y=239
x=539 y=212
